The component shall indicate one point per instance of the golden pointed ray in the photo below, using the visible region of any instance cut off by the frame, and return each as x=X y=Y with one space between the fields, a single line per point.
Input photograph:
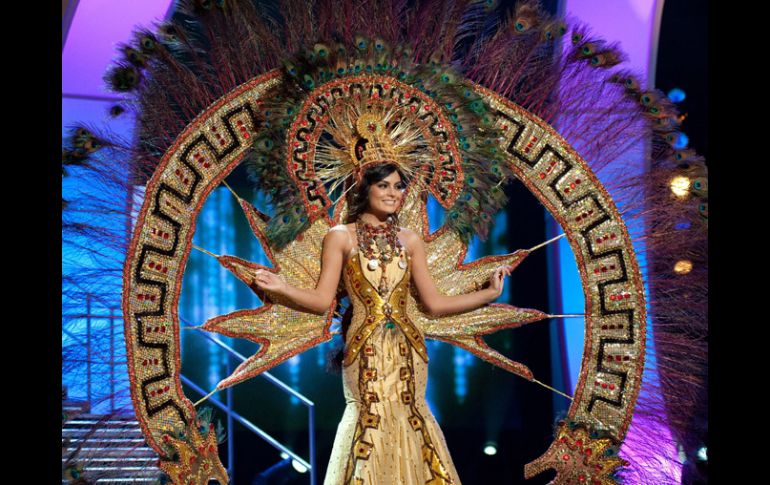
x=280 y=331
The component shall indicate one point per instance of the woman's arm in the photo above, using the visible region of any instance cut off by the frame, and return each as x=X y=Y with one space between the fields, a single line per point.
x=436 y=303
x=319 y=299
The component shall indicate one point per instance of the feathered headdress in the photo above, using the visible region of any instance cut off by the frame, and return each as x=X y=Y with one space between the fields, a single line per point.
x=462 y=94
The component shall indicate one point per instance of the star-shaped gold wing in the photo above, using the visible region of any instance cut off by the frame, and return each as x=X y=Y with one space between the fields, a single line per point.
x=280 y=329
x=445 y=252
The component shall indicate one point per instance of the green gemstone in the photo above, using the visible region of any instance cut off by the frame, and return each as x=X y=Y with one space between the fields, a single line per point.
x=390 y=325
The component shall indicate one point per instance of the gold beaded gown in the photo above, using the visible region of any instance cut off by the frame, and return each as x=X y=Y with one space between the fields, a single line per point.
x=387 y=435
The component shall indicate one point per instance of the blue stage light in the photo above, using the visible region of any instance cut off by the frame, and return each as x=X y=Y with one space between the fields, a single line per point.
x=676 y=95
x=681 y=141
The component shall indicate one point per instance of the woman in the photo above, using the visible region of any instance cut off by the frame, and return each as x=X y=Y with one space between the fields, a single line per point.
x=387 y=433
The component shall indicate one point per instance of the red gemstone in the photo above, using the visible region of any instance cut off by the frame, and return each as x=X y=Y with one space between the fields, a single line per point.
x=155 y=361
x=625 y=357
x=246 y=135
x=612 y=387
x=612 y=266
x=566 y=191
x=609 y=357
x=628 y=295
x=579 y=443
x=165 y=235
x=177 y=171
x=618 y=357
x=542 y=175
x=166 y=388
x=577 y=181
x=604 y=327
x=526 y=149
x=221 y=142
x=152 y=393
x=144 y=362
x=165 y=270
x=162 y=329
x=386 y=86
x=612 y=297
x=604 y=269
x=565 y=457
x=599 y=241
x=604 y=386
x=412 y=108
x=152 y=297
x=612 y=235
x=140 y=296
x=207 y=164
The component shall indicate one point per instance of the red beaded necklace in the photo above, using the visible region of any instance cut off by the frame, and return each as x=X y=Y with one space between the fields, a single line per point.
x=385 y=239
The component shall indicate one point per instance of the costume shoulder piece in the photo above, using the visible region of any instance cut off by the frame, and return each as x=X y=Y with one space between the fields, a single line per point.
x=463 y=102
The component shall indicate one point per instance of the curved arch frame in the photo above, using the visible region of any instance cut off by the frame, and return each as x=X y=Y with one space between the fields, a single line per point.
x=213 y=145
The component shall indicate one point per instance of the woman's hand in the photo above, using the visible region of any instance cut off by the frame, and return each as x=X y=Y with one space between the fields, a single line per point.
x=496 y=281
x=268 y=281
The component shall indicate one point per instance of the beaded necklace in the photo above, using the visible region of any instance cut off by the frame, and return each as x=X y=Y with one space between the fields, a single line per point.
x=385 y=239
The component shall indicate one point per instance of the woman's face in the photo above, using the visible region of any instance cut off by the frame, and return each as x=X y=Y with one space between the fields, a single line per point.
x=385 y=196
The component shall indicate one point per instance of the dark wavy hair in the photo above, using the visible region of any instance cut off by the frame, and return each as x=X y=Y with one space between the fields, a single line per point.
x=358 y=201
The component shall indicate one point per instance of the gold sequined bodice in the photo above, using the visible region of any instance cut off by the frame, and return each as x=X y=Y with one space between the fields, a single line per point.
x=371 y=310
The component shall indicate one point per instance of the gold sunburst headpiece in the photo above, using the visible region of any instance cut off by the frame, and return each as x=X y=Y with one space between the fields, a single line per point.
x=364 y=135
